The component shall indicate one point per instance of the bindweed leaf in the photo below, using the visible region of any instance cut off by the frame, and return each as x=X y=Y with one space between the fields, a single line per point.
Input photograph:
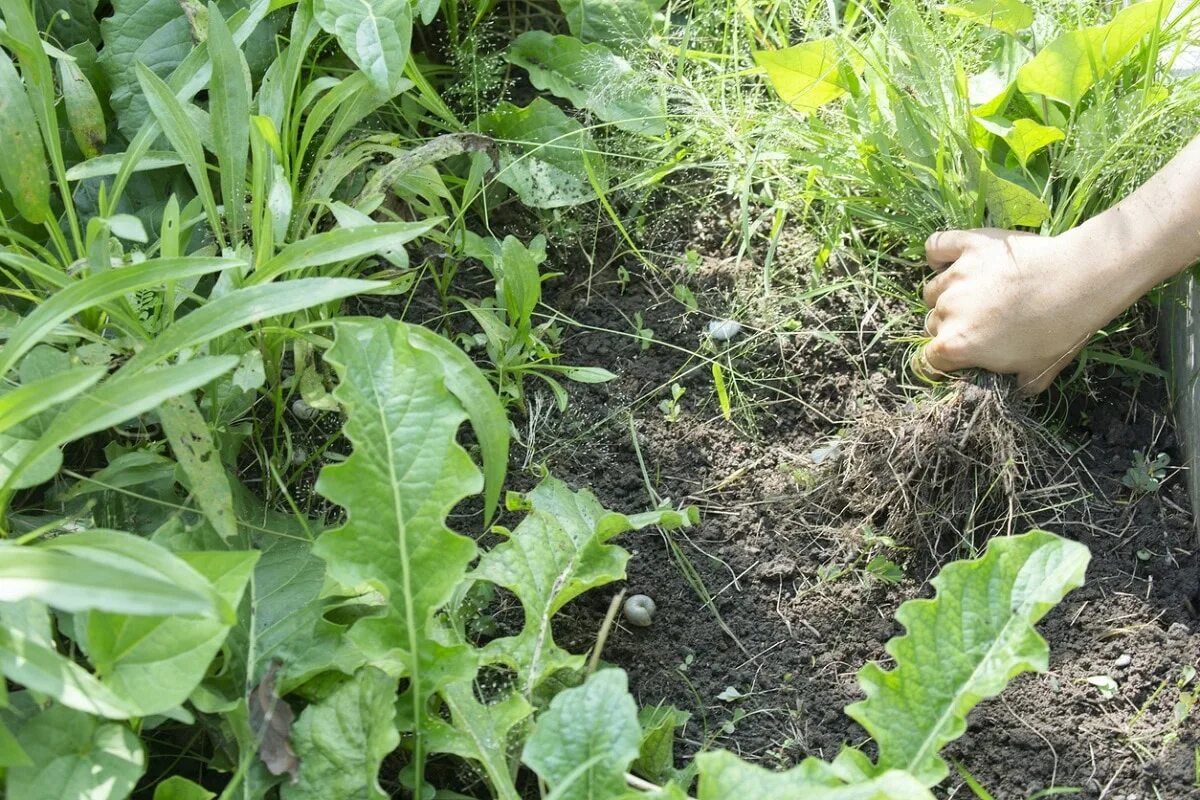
x=375 y=34
x=78 y=756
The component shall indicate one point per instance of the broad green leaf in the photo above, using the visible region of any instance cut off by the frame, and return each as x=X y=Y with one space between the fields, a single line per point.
x=33 y=664
x=181 y=131
x=74 y=20
x=192 y=443
x=406 y=472
x=84 y=113
x=1009 y=16
x=31 y=399
x=1024 y=136
x=76 y=756
x=560 y=550
x=23 y=170
x=178 y=787
x=107 y=570
x=229 y=108
x=964 y=645
x=543 y=160
x=990 y=90
x=150 y=32
x=11 y=752
x=618 y=23
x=114 y=401
x=483 y=407
x=480 y=732
x=1067 y=67
x=243 y=307
x=585 y=741
x=592 y=77
x=656 y=753
x=723 y=775
x=342 y=244
x=342 y=740
x=375 y=34
x=1010 y=204
x=807 y=76
x=97 y=289
x=155 y=662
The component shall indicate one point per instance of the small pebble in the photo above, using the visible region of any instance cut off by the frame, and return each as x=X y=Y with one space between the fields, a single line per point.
x=722 y=330
x=1123 y=661
x=1177 y=631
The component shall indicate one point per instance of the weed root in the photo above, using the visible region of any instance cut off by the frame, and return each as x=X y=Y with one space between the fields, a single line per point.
x=949 y=470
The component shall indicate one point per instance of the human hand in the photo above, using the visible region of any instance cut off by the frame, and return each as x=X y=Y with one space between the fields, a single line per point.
x=1017 y=303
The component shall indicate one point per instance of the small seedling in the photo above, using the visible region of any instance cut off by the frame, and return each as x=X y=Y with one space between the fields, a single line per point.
x=670 y=408
x=685 y=295
x=1146 y=474
x=644 y=335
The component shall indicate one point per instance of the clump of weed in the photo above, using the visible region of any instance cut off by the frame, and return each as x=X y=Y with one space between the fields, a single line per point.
x=950 y=470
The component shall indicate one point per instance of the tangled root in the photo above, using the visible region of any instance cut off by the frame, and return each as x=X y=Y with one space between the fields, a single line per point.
x=950 y=470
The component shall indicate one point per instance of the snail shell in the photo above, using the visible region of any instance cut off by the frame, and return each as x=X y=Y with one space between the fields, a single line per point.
x=639 y=610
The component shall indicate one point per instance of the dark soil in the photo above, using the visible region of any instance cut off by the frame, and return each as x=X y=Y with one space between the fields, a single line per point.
x=802 y=612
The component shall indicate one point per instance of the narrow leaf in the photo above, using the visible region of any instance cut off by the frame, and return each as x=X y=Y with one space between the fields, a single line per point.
x=31 y=399
x=342 y=244
x=192 y=443
x=229 y=108
x=96 y=289
x=23 y=169
x=84 y=113
x=31 y=663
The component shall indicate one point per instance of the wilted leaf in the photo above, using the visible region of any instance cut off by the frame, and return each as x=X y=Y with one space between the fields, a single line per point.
x=271 y=719
x=543 y=160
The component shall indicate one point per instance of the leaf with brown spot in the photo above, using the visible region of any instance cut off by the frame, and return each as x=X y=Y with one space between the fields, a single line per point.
x=271 y=720
x=194 y=449
x=84 y=113
x=23 y=168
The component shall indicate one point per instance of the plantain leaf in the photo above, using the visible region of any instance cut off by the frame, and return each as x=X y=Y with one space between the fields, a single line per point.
x=229 y=108
x=112 y=402
x=84 y=113
x=342 y=740
x=375 y=34
x=31 y=399
x=154 y=662
x=964 y=645
x=23 y=170
x=243 y=307
x=77 y=756
x=593 y=78
x=585 y=741
x=96 y=289
x=406 y=473
x=560 y=550
x=1066 y=68
x=173 y=117
x=342 y=244
x=192 y=443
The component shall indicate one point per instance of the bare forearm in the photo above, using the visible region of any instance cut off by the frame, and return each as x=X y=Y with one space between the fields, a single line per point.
x=1149 y=236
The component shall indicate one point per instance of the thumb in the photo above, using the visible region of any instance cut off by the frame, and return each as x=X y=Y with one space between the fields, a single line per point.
x=944 y=247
